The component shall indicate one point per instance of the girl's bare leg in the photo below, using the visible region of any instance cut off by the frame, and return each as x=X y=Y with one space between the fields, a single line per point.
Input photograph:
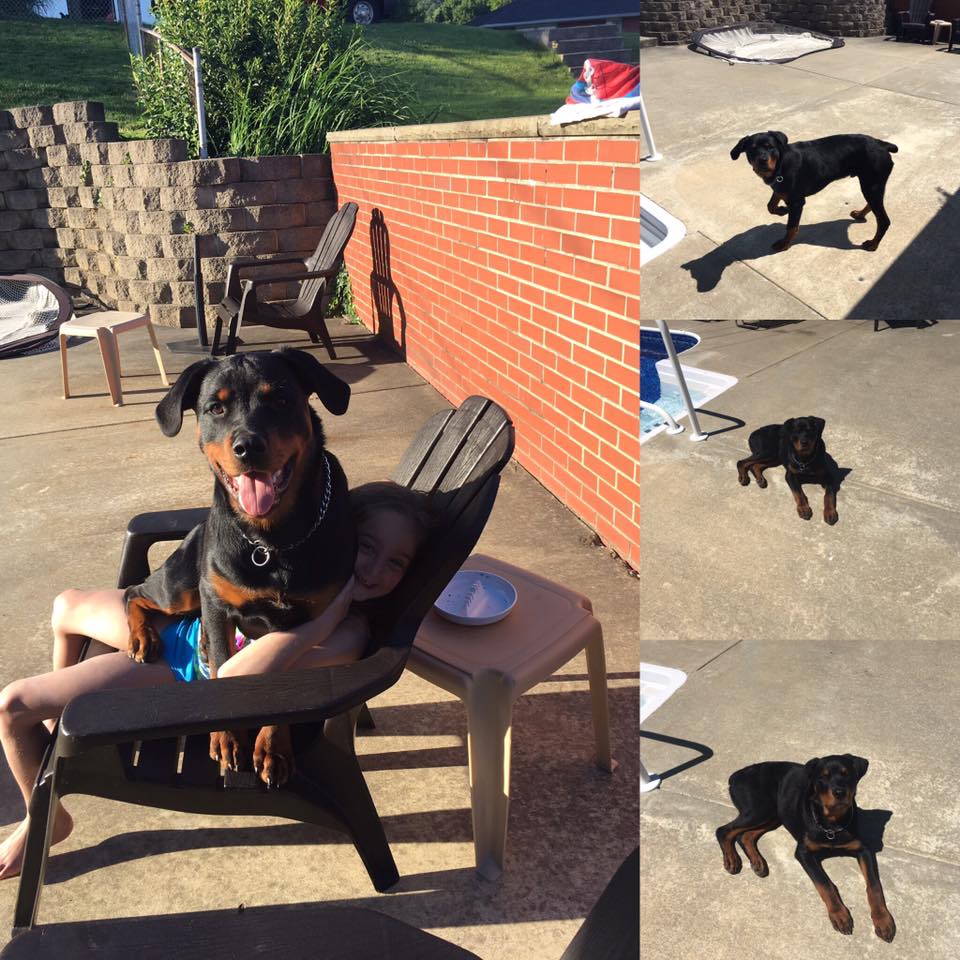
x=25 y=704
x=78 y=614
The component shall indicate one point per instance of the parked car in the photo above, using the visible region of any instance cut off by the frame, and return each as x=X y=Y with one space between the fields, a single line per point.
x=366 y=11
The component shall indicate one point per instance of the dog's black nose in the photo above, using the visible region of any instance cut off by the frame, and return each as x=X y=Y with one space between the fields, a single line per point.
x=839 y=792
x=246 y=446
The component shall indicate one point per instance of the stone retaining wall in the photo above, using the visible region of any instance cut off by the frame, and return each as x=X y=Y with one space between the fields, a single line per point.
x=674 y=21
x=78 y=204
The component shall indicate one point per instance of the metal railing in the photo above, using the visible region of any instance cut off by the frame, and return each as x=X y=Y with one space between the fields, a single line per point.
x=674 y=427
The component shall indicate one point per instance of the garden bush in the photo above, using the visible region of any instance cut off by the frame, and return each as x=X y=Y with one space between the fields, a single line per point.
x=278 y=75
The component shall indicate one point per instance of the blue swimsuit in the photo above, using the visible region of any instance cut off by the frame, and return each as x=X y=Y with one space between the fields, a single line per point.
x=180 y=647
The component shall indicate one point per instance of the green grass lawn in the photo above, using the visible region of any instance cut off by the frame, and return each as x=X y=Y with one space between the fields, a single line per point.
x=471 y=74
x=463 y=73
x=48 y=61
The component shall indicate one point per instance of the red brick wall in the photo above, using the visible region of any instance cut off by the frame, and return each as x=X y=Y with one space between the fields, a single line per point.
x=517 y=266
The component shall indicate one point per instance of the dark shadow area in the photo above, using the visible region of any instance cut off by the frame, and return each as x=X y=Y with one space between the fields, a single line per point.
x=922 y=281
x=383 y=291
x=765 y=324
x=705 y=753
x=899 y=324
x=757 y=242
x=735 y=422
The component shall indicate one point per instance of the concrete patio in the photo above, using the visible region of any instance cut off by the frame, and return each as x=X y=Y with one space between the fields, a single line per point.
x=801 y=639
x=76 y=470
x=699 y=107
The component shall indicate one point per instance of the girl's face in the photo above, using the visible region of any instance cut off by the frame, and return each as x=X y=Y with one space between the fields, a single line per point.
x=387 y=544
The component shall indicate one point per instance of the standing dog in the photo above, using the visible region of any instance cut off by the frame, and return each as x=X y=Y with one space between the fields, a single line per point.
x=279 y=542
x=796 y=444
x=795 y=171
x=816 y=802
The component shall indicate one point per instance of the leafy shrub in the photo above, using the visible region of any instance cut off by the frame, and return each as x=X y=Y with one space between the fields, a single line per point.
x=449 y=11
x=277 y=76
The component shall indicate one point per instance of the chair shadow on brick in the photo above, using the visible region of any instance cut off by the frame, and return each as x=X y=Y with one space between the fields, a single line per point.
x=151 y=746
x=241 y=303
x=383 y=290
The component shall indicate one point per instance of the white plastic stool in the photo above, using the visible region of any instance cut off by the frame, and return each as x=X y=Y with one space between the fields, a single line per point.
x=488 y=667
x=106 y=326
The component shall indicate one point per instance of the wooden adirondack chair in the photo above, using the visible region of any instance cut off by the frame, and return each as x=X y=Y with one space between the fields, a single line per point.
x=241 y=305
x=914 y=22
x=150 y=746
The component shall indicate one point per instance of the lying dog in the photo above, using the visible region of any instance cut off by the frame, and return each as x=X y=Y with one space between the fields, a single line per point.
x=796 y=171
x=279 y=542
x=816 y=802
x=796 y=445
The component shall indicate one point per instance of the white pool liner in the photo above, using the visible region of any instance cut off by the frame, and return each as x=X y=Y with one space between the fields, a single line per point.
x=761 y=42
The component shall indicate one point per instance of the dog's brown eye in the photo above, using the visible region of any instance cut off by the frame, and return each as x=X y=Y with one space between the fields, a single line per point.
x=217 y=409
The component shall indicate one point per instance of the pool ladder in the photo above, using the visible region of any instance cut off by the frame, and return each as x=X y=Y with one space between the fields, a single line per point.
x=672 y=425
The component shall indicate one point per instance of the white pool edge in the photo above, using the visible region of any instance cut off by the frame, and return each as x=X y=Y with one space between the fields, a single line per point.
x=708 y=383
x=676 y=230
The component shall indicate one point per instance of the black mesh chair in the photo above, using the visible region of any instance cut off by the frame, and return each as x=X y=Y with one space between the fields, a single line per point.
x=914 y=22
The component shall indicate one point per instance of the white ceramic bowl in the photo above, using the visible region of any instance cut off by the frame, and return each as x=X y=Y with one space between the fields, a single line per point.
x=475 y=598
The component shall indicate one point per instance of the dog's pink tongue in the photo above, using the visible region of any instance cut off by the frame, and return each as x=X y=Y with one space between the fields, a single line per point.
x=256 y=493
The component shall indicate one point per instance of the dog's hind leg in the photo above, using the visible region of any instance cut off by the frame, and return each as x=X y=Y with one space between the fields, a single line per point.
x=860 y=214
x=748 y=840
x=873 y=193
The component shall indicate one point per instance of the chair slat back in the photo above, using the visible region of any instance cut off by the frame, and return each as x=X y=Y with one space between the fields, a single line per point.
x=329 y=253
x=919 y=10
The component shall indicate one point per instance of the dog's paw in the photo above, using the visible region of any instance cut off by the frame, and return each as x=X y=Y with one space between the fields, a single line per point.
x=744 y=479
x=273 y=756
x=762 y=483
x=870 y=245
x=780 y=245
x=841 y=920
x=229 y=749
x=859 y=215
x=830 y=516
x=780 y=211
x=805 y=512
x=732 y=862
x=884 y=927
x=760 y=867
x=144 y=643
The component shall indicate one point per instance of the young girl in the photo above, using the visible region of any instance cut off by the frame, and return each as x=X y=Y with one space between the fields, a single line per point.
x=392 y=523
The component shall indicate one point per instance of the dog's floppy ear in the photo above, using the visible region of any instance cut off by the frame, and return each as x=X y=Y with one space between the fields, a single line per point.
x=740 y=147
x=857 y=764
x=781 y=138
x=182 y=396
x=314 y=377
x=819 y=423
x=810 y=769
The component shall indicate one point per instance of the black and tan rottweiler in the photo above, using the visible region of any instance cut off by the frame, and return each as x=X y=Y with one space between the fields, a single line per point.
x=795 y=171
x=279 y=542
x=816 y=802
x=797 y=445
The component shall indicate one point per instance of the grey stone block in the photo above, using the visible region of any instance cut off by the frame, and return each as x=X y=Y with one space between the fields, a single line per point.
x=280 y=216
x=30 y=116
x=140 y=246
x=243 y=244
x=298 y=238
x=245 y=194
x=319 y=213
x=316 y=165
x=304 y=191
x=169 y=269
x=10 y=220
x=168 y=315
x=176 y=199
x=57 y=258
x=14 y=139
x=92 y=153
x=47 y=217
x=62 y=156
x=19 y=261
x=45 y=136
x=79 y=219
x=90 y=132
x=14 y=179
x=24 y=199
x=77 y=111
x=270 y=168
x=24 y=159
x=148 y=151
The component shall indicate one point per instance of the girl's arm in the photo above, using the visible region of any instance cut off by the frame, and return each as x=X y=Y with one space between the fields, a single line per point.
x=340 y=639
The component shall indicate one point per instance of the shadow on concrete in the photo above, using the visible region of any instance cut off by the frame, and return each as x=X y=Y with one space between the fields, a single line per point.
x=757 y=243
x=705 y=753
x=765 y=324
x=735 y=422
x=923 y=279
x=897 y=324
x=383 y=291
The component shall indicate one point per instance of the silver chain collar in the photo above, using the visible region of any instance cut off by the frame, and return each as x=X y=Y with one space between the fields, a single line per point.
x=261 y=554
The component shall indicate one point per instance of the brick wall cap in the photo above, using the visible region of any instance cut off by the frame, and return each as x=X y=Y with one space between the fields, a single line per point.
x=510 y=127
